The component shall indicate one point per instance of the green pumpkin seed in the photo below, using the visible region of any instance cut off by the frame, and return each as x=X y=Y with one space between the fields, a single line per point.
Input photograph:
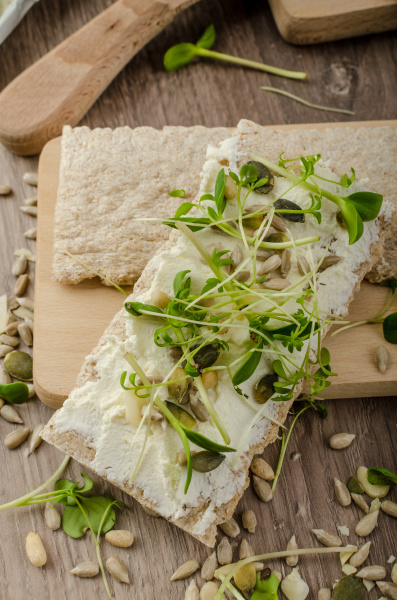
x=178 y=389
x=348 y=588
x=182 y=415
x=19 y=365
x=262 y=173
x=253 y=222
x=206 y=461
x=264 y=388
x=354 y=486
x=288 y=205
x=341 y=222
x=206 y=356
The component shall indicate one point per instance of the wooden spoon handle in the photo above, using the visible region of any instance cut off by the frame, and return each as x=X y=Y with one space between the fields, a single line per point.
x=60 y=87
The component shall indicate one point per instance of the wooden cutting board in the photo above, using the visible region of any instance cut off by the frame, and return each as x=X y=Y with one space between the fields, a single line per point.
x=308 y=22
x=69 y=319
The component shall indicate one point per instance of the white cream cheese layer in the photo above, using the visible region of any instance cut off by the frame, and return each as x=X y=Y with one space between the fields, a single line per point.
x=97 y=412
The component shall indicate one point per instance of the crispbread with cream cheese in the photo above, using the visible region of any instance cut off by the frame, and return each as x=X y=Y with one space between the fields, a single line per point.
x=76 y=431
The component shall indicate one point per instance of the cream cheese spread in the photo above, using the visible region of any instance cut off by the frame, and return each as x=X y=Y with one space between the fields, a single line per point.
x=97 y=412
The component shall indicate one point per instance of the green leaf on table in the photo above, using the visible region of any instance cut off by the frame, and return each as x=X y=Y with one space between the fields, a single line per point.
x=390 y=328
x=68 y=487
x=184 y=209
x=207 y=40
x=14 y=393
x=177 y=193
x=178 y=56
x=378 y=476
x=74 y=522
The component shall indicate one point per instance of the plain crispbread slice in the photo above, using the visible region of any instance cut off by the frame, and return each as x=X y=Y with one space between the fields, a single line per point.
x=107 y=179
x=250 y=139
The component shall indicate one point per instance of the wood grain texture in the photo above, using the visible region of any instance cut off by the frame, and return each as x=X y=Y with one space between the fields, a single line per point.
x=305 y=22
x=70 y=319
x=359 y=74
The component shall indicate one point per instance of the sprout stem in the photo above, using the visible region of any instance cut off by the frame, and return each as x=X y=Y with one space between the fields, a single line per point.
x=306 y=102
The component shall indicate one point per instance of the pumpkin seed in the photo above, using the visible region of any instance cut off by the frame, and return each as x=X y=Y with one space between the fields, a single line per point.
x=373 y=573
x=249 y=521
x=9 y=340
x=342 y=493
x=19 y=365
x=178 y=389
x=264 y=388
x=31 y=200
x=31 y=178
x=339 y=441
x=224 y=552
x=192 y=591
x=182 y=415
x=29 y=210
x=237 y=255
x=329 y=261
x=340 y=220
x=206 y=461
x=21 y=284
x=285 y=263
x=324 y=594
x=52 y=516
x=185 y=570
x=36 y=438
x=252 y=223
x=271 y=264
x=122 y=538
x=209 y=590
x=354 y=486
x=4 y=190
x=276 y=284
x=35 y=549
x=262 y=489
x=282 y=203
x=389 y=508
x=209 y=567
x=4 y=350
x=367 y=524
x=389 y=589
x=32 y=390
x=245 y=578
x=361 y=555
x=245 y=550
x=86 y=569
x=230 y=188
x=160 y=299
x=382 y=358
x=19 y=266
x=16 y=437
x=374 y=491
x=263 y=173
x=230 y=527
x=197 y=405
x=348 y=588
x=360 y=502
x=25 y=333
x=327 y=538
x=206 y=356
x=117 y=569
x=10 y=414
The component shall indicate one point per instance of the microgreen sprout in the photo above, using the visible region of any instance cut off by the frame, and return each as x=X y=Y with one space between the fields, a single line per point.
x=378 y=476
x=182 y=54
x=177 y=193
x=343 y=111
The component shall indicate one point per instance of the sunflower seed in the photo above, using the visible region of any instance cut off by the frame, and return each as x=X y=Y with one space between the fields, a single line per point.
x=237 y=255
x=192 y=591
x=10 y=414
x=174 y=352
x=230 y=188
x=389 y=589
x=197 y=405
x=16 y=437
x=117 y=569
x=271 y=264
x=278 y=223
x=185 y=570
x=25 y=252
x=181 y=457
x=245 y=550
x=160 y=299
x=242 y=276
x=367 y=524
x=122 y=538
x=209 y=567
x=31 y=178
x=373 y=573
x=86 y=569
x=375 y=505
x=24 y=313
x=12 y=327
x=327 y=538
x=360 y=502
x=341 y=440
x=224 y=552
x=342 y=493
x=36 y=439
x=25 y=333
x=209 y=590
x=361 y=555
x=5 y=379
x=12 y=303
x=329 y=261
x=374 y=491
x=349 y=569
x=382 y=358
x=303 y=266
x=210 y=249
x=294 y=587
x=276 y=284
x=21 y=284
x=230 y=528
x=9 y=340
x=292 y=561
x=19 y=266
x=324 y=594
x=35 y=549
x=249 y=520
x=276 y=574
x=29 y=210
x=285 y=263
x=4 y=190
x=262 y=489
x=149 y=511
x=389 y=508
x=52 y=516
x=4 y=350
x=32 y=391
x=263 y=254
x=31 y=234
x=31 y=201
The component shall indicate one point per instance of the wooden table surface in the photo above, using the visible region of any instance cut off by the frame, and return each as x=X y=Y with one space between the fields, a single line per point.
x=358 y=74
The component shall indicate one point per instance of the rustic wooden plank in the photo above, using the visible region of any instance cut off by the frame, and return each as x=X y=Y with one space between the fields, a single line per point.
x=358 y=73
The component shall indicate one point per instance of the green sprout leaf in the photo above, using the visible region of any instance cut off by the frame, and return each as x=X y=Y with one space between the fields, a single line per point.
x=135 y=308
x=74 y=522
x=249 y=366
x=207 y=40
x=178 y=56
x=14 y=393
x=177 y=193
x=203 y=442
x=178 y=280
x=266 y=589
x=390 y=328
x=367 y=204
x=377 y=476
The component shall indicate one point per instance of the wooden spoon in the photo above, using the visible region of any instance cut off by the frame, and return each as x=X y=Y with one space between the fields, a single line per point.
x=60 y=87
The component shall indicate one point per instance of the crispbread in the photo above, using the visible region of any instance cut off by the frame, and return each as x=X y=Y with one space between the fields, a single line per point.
x=253 y=139
x=107 y=179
